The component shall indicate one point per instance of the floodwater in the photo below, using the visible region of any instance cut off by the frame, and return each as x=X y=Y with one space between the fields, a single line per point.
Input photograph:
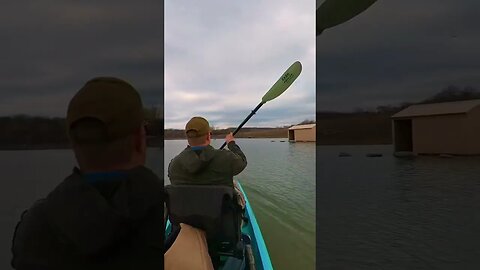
x=372 y=213
x=390 y=213
x=279 y=181
x=280 y=184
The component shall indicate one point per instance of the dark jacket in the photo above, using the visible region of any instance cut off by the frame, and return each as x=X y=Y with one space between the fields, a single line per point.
x=208 y=166
x=106 y=224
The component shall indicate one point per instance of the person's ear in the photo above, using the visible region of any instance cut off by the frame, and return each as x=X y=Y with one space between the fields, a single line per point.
x=140 y=139
x=209 y=137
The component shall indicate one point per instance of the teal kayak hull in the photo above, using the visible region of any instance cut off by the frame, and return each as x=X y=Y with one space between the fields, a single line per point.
x=252 y=229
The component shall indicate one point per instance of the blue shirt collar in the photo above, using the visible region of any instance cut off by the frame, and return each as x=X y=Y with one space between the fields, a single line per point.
x=93 y=178
x=195 y=148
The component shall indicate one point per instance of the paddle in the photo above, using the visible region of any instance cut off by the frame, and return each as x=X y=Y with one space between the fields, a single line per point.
x=335 y=12
x=276 y=90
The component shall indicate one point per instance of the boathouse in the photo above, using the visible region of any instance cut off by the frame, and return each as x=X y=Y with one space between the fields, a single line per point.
x=438 y=128
x=302 y=133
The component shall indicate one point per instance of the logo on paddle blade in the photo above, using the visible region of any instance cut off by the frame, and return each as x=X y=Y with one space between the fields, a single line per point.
x=287 y=77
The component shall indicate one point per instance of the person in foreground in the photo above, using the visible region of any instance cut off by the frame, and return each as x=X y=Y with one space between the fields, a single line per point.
x=201 y=164
x=108 y=214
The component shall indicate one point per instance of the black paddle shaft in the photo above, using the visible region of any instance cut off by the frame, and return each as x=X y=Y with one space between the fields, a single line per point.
x=244 y=121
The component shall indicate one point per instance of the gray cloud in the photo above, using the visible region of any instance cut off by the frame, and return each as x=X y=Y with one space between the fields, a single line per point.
x=221 y=57
x=50 y=49
x=398 y=51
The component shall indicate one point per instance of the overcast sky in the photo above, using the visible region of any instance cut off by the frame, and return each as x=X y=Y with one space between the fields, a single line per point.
x=49 y=49
x=222 y=56
x=398 y=51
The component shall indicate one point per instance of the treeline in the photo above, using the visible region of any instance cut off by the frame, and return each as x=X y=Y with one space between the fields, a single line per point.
x=448 y=94
x=22 y=131
x=246 y=132
x=35 y=132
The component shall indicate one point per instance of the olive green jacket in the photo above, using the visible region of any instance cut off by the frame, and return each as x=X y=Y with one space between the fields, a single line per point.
x=208 y=166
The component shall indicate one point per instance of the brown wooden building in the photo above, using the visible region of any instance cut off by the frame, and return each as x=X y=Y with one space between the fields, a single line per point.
x=302 y=133
x=439 y=128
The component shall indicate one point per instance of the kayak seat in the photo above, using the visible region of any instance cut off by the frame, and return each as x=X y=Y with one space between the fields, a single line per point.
x=213 y=209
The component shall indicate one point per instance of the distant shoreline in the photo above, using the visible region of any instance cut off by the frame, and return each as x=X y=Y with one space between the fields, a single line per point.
x=169 y=134
x=342 y=129
x=152 y=143
x=362 y=127
x=246 y=133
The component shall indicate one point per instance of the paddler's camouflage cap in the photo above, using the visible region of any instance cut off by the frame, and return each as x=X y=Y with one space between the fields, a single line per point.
x=196 y=127
x=112 y=101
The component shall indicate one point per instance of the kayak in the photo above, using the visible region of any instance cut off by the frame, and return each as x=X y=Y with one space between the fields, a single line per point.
x=261 y=258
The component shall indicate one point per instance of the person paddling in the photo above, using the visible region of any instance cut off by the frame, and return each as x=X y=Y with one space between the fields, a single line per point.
x=201 y=164
x=107 y=214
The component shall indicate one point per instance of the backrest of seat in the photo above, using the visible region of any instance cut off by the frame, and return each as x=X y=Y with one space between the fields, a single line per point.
x=213 y=209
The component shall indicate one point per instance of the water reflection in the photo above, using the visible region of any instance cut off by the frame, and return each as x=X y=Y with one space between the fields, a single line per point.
x=390 y=213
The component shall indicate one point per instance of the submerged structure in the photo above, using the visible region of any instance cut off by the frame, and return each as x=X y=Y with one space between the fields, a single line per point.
x=302 y=133
x=438 y=128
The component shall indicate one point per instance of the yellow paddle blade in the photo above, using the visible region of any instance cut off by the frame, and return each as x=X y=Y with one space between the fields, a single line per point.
x=284 y=82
